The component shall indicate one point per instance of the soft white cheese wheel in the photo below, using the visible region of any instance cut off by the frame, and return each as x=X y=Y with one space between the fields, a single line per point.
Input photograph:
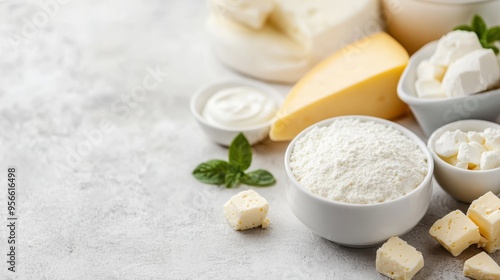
x=297 y=35
x=325 y=26
x=251 y=13
x=265 y=54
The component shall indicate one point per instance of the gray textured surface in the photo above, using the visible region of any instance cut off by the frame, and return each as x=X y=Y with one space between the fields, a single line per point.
x=127 y=206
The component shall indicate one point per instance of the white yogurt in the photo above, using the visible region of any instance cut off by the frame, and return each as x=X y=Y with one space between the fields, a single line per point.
x=239 y=107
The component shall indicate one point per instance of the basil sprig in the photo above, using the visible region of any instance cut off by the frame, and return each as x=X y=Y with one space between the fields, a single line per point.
x=231 y=173
x=487 y=36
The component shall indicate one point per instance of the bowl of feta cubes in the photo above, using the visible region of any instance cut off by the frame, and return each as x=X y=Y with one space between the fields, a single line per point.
x=452 y=79
x=467 y=158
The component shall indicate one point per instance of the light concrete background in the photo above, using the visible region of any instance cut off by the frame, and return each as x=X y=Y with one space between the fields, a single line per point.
x=126 y=206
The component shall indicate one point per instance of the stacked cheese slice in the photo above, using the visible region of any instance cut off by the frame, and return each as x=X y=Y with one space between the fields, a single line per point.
x=280 y=40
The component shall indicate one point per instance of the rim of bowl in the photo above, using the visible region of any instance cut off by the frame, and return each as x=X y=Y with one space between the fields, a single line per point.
x=414 y=100
x=444 y=128
x=275 y=96
x=408 y=133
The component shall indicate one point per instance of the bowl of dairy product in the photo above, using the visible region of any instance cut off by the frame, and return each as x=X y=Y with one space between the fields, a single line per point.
x=224 y=109
x=467 y=158
x=358 y=180
x=452 y=79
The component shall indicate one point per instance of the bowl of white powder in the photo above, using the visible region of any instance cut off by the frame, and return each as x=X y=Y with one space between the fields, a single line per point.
x=358 y=180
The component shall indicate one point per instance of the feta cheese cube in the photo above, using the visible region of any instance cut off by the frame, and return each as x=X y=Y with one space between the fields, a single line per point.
x=429 y=89
x=482 y=266
x=485 y=213
x=448 y=143
x=246 y=210
x=250 y=13
x=429 y=71
x=474 y=136
x=490 y=160
x=398 y=260
x=492 y=139
x=453 y=46
x=470 y=153
x=463 y=165
x=455 y=232
x=472 y=73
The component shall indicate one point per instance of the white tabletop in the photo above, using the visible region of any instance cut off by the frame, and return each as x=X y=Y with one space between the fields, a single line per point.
x=122 y=204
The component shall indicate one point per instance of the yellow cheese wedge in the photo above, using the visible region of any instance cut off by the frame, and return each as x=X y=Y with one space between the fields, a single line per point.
x=360 y=79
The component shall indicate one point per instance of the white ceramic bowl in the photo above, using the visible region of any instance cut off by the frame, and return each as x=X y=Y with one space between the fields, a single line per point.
x=434 y=113
x=464 y=185
x=359 y=225
x=225 y=135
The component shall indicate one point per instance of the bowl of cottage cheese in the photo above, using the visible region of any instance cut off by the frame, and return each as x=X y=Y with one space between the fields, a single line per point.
x=358 y=180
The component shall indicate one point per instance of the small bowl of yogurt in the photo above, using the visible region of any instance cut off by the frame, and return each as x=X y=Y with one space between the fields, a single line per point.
x=224 y=109
x=358 y=180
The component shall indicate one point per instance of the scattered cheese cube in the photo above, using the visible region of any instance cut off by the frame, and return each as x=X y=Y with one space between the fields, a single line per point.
x=492 y=139
x=485 y=213
x=482 y=266
x=448 y=143
x=398 y=260
x=490 y=160
x=474 y=136
x=470 y=152
x=455 y=232
x=246 y=210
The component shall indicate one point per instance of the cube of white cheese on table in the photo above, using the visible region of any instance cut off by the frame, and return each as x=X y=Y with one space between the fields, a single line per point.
x=455 y=232
x=246 y=210
x=485 y=212
x=482 y=266
x=448 y=143
x=398 y=260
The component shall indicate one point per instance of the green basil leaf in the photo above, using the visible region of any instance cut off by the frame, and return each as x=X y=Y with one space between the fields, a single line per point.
x=464 y=27
x=233 y=177
x=212 y=172
x=493 y=34
x=493 y=47
x=479 y=26
x=258 y=178
x=240 y=152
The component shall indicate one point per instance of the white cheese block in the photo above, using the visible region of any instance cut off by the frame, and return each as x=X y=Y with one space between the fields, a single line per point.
x=398 y=260
x=453 y=46
x=448 y=143
x=264 y=54
x=463 y=165
x=485 y=213
x=474 y=72
x=492 y=139
x=474 y=136
x=246 y=210
x=455 y=232
x=429 y=89
x=490 y=160
x=428 y=71
x=324 y=26
x=251 y=13
x=470 y=153
x=482 y=267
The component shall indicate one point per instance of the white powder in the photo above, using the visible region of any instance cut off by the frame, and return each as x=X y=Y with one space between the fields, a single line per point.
x=359 y=162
